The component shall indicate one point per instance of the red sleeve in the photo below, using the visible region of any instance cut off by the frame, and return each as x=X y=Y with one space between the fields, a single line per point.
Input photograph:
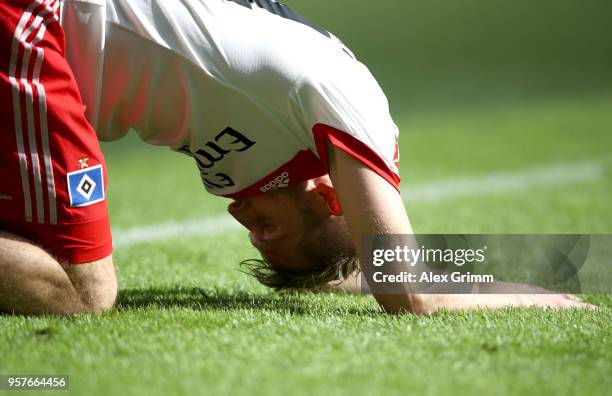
x=81 y=243
x=70 y=243
x=357 y=149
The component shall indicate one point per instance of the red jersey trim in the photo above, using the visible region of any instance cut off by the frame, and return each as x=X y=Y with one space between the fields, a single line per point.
x=355 y=148
x=304 y=166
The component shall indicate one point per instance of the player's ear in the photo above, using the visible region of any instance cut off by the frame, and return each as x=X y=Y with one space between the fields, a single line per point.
x=325 y=190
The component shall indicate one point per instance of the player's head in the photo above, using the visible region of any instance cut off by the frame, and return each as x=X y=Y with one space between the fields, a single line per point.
x=301 y=234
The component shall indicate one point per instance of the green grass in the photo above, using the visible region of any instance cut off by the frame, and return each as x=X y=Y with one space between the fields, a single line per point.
x=188 y=322
x=165 y=341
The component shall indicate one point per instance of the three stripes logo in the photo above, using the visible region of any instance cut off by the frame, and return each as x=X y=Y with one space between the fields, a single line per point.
x=26 y=61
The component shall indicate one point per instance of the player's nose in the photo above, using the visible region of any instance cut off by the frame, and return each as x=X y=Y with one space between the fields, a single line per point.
x=239 y=210
x=235 y=206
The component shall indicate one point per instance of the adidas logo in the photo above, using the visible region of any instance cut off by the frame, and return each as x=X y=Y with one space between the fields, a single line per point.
x=281 y=181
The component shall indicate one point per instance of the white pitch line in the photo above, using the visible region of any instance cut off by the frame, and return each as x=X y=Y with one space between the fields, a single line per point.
x=491 y=183
x=163 y=231
x=502 y=182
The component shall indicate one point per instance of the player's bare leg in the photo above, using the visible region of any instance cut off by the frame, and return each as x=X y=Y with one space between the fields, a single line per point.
x=33 y=282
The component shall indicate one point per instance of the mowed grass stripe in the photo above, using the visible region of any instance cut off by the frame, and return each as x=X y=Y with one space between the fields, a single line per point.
x=491 y=183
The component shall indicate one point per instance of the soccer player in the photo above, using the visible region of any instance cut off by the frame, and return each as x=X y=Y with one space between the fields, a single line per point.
x=277 y=113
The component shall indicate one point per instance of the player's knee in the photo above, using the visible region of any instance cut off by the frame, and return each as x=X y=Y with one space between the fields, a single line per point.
x=98 y=288
x=87 y=292
x=33 y=282
x=106 y=298
x=99 y=299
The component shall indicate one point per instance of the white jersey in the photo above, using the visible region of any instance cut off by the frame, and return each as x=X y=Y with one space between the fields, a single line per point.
x=248 y=88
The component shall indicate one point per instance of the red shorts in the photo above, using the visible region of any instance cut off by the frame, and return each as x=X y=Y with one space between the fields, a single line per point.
x=52 y=171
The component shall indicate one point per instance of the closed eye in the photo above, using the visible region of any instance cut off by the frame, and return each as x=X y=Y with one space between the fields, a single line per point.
x=263 y=222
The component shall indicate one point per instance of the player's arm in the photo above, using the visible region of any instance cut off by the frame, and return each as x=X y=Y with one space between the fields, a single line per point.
x=371 y=206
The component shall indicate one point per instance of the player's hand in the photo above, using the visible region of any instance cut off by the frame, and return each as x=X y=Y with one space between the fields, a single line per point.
x=463 y=302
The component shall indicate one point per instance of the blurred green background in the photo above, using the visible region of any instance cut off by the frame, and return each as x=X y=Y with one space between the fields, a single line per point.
x=441 y=53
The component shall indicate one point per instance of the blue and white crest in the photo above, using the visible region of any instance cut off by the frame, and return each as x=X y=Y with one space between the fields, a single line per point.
x=86 y=186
